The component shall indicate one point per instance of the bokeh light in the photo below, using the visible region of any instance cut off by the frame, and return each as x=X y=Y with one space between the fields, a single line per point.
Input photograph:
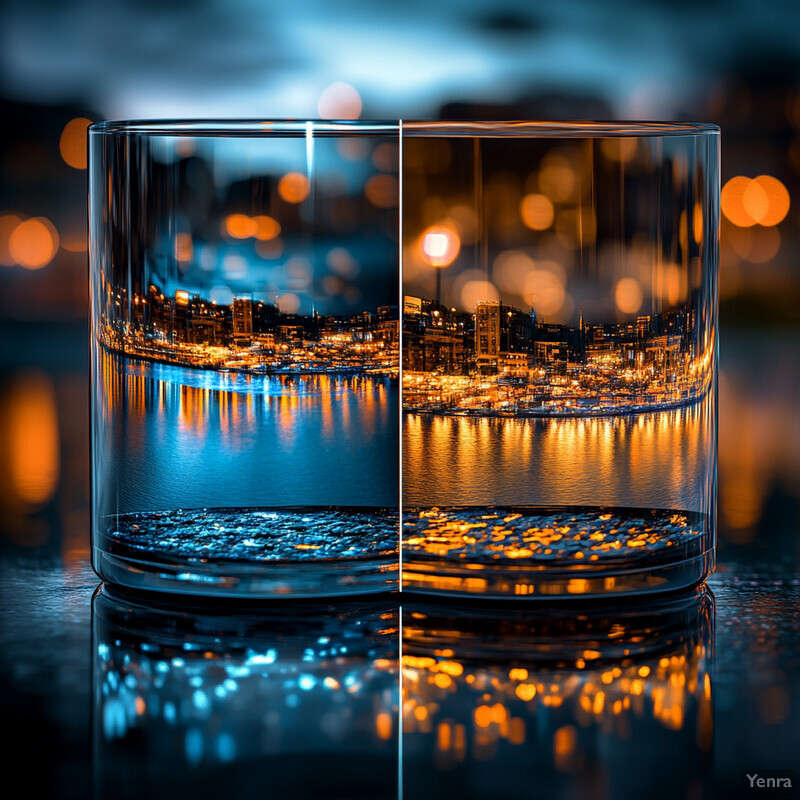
x=544 y=292
x=339 y=101
x=473 y=292
x=618 y=148
x=294 y=187
x=289 y=303
x=628 y=295
x=763 y=200
x=382 y=191
x=557 y=178
x=8 y=224
x=183 y=247
x=536 y=212
x=440 y=245
x=267 y=228
x=33 y=446
x=33 y=243
x=240 y=226
x=73 y=142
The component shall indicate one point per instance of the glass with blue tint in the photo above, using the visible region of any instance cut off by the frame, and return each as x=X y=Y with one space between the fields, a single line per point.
x=245 y=351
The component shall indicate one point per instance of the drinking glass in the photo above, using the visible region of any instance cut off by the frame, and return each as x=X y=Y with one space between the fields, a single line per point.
x=245 y=356
x=559 y=357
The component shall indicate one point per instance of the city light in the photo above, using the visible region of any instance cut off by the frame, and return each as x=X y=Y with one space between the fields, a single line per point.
x=294 y=187
x=73 y=142
x=339 y=101
x=628 y=295
x=763 y=200
x=440 y=245
x=33 y=243
x=536 y=211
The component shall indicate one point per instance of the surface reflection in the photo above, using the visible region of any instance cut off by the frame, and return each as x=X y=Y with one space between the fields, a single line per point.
x=567 y=702
x=273 y=701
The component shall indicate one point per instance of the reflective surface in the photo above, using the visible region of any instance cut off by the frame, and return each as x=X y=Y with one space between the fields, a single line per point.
x=48 y=658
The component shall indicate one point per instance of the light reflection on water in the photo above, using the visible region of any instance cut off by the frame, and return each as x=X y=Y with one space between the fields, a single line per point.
x=651 y=460
x=577 y=702
x=277 y=701
x=170 y=437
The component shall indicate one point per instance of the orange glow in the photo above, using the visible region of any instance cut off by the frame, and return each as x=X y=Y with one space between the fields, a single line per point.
x=544 y=291
x=763 y=200
x=621 y=149
x=628 y=295
x=266 y=228
x=473 y=292
x=294 y=187
x=557 y=178
x=536 y=212
x=525 y=691
x=183 y=247
x=765 y=245
x=8 y=224
x=382 y=191
x=777 y=196
x=383 y=725
x=240 y=226
x=289 y=303
x=339 y=101
x=33 y=431
x=440 y=245
x=564 y=745
x=74 y=242
x=731 y=201
x=33 y=243
x=73 y=142
x=182 y=298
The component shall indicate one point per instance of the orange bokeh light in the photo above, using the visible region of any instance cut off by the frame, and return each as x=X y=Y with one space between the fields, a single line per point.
x=183 y=247
x=33 y=243
x=8 y=224
x=750 y=201
x=628 y=295
x=536 y=211
x=382 y=191
x=439 y=245
x=294 y=187
x=73 y=142
x=240 y=226
x=267 y=228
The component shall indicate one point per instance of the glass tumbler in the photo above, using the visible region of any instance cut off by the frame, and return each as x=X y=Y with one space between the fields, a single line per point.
x=245 y=353
x=559 y=357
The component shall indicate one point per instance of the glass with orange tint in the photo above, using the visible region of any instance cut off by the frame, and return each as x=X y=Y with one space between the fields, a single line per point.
x=559 y=357
x=245 y=346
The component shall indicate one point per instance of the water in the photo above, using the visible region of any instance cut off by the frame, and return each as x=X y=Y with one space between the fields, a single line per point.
x=577 y=505
x=211 y=467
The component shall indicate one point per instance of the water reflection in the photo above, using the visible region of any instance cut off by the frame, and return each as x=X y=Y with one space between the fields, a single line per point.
x=568 y=702
x=655 y=460
x=274 y=701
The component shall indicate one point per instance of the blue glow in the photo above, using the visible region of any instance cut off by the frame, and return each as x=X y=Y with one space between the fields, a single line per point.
x=193 y=745
x=226 y=747
x=169 y=711
x=200 y=700
x=292 y=700
x=162 y=666
x=130 y=681
x=178 y=662
x=230 y=685
x=307 y=682
x=195 y=681
x=219 y=691
x=103 y=651
x=114 y=724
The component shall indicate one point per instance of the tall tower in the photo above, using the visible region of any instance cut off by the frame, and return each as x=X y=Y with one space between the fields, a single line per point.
x=487 y=335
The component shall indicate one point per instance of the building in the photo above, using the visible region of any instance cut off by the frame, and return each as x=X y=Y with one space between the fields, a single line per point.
x=242 y=320
x=487 y=336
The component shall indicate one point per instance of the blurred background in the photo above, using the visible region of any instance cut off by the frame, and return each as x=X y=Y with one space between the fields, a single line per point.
x=64 y=63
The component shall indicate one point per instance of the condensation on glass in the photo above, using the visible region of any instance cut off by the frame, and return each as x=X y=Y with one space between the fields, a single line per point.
x=245 y=351
x=559 y=357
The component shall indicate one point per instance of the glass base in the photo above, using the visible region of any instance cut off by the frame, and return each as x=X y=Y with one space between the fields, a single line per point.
x=252 y=553
x=248 y=581
x=499 y=582
x=587 y=552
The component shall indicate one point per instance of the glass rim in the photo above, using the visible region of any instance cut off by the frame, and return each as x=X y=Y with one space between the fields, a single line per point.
x=412 y=128
x=243 y=127
x=584 y=129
